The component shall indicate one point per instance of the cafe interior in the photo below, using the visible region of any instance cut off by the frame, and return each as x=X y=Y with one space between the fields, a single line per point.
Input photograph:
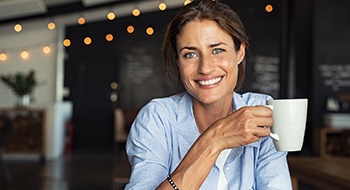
x=94 y=63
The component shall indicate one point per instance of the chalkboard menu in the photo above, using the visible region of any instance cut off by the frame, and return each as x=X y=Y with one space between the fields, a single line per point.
x=263 y=75
x=335 y=77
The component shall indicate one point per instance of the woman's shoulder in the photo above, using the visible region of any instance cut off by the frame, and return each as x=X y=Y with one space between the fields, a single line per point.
x=253 y=98
x=167 y=105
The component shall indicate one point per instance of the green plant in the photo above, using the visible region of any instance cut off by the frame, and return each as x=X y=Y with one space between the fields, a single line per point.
x=21 y=83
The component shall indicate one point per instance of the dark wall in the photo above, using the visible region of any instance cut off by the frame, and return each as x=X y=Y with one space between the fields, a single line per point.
x=331 y=54
x=264 y=54
x=131 y=60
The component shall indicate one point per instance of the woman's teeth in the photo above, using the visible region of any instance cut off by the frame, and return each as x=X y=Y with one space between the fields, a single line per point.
x=209 y=82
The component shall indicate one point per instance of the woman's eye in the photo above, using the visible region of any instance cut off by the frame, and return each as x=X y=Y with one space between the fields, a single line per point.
x=217 y=51
x=190 y=55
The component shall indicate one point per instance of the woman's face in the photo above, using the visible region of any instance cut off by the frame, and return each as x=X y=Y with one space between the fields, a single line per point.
x=208 y=61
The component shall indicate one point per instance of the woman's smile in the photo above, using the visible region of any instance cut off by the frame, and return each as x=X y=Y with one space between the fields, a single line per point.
x=208 y=82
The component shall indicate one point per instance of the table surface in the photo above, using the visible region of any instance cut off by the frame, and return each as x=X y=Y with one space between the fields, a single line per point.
x=320 y=172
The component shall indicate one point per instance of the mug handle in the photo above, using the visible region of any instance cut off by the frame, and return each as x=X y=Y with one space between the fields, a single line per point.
x=274 y=136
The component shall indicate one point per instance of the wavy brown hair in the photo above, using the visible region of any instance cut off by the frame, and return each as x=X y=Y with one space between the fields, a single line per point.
x=214 y=10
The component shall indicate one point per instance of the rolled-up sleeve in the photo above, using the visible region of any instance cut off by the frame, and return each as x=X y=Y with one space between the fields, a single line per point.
x=147 y=150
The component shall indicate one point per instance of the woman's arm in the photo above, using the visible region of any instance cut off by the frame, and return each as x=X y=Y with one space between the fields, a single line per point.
x=239 y=129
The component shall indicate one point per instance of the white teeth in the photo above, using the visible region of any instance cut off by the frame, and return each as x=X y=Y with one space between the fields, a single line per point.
x=209 y=82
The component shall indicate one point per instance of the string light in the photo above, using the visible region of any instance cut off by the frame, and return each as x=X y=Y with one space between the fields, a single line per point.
x=87 y=40
x=269 y=8
x=111 y=16
x=3 y=56
x=130 y=29
x=162 y=6
x=81 y=20
x=46 y=49
x=51 y=25
x=18 y=27
x=136 y=12
x=24 y=54
x=109 y=37
x=66 y=42
x=149 y=31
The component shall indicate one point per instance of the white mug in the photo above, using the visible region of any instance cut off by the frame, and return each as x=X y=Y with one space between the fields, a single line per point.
x=289 y=117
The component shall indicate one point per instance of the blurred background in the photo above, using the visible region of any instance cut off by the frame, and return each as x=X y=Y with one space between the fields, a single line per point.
x=97 y=62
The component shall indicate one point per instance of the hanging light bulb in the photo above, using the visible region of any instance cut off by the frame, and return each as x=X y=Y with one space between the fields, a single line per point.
x=87 y=40
x=130 y=29
x=46 y=49
x=149 y=31
x=3 y=56
x=109 y=37
x=24 y=54
x=17 y=27
x=51 y=25
x=136 y=12
x=81 y=20
x=162 y=6
x=66 y=42
x=269 y=8
x=111 y=16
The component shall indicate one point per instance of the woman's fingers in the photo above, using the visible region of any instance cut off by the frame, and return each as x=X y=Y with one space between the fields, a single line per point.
x=247 y=125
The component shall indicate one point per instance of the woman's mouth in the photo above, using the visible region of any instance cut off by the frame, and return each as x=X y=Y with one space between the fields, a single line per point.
x=209 y=82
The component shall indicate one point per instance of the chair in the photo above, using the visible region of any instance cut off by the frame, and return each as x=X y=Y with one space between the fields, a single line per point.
x=7 y=125
x=123 y=119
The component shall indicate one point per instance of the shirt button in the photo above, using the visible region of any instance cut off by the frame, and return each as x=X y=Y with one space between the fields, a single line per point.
x=226 y=168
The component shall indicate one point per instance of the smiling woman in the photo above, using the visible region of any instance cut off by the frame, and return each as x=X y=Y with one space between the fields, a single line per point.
x=208 y=137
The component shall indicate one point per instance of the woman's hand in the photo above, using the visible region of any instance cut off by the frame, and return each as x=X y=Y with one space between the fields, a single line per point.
x=242 y=127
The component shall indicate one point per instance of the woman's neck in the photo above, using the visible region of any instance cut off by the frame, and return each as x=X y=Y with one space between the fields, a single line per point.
x=206 y=114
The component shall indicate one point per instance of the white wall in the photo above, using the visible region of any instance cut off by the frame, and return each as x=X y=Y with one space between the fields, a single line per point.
x=32 y=38
x=49 y=73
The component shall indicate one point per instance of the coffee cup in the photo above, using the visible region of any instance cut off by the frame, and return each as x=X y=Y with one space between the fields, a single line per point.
x=289 y=117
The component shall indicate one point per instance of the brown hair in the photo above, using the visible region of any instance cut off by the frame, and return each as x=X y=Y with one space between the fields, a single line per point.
x=214 y=10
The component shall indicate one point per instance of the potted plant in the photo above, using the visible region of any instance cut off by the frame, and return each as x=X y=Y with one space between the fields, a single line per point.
x=22 y=84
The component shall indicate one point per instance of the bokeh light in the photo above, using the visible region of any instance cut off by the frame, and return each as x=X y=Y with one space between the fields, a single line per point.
x=149 y=31
x=66 y=42
x=136 y=12
x=87 y=40
x=3 y=56
x=51 y=25
x=130 y=29
x=111 y=16
x=269 y=8
x=46 y=49
x=18 y=27
x=24 y=54
x=109 y=37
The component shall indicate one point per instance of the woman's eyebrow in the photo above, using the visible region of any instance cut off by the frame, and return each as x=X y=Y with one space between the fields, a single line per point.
x=195 y=48
x=217 y=44
x=188 y=48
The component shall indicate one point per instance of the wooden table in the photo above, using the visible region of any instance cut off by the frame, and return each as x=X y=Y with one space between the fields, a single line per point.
x=323 y=173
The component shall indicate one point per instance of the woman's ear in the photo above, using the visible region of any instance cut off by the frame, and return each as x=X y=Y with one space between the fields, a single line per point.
x=241 y=53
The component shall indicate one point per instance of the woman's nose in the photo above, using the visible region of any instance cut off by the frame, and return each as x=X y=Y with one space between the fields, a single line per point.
x=206 y=65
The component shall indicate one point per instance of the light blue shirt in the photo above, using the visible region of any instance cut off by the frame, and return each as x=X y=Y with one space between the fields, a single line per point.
x=165 y=129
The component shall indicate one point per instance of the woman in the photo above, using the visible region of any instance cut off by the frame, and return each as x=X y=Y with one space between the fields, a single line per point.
x=208 y=137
